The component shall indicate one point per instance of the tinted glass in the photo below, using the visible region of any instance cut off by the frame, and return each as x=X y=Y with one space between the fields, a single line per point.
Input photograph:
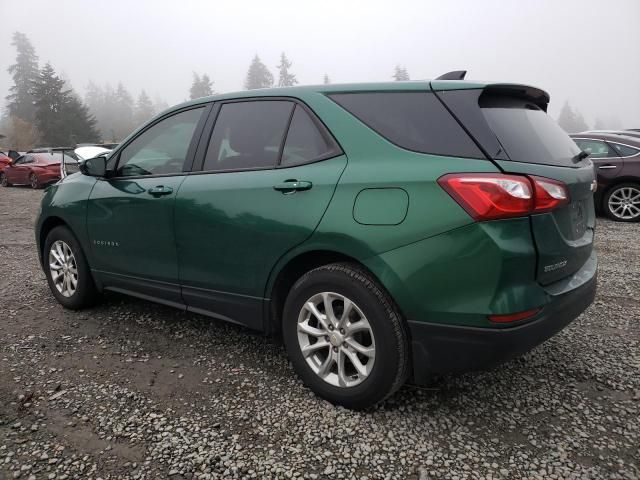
x=527 y=133
x=595 y=148
x=305 y=142
x=248 y=135
x=625 y=151
x=413 y=120
x=162 y=149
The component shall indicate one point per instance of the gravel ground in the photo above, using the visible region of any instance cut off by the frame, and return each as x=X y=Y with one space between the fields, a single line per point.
x=135 y=390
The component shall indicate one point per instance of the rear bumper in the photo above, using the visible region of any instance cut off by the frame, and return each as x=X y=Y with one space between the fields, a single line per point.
x=441 y=349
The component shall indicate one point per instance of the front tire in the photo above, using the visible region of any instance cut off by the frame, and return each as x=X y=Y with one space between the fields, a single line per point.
x=67 y=270
x=622 y=202
x=4 y=181
x=345 y=337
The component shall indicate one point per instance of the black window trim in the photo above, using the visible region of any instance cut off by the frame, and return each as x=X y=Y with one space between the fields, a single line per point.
x=624 y=145
x=195 y=140
x=336 y=151
x=482 y=156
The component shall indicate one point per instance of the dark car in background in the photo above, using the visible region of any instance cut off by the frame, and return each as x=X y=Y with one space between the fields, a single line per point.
x=628 y=133
x=616 y=159
x=34 y=169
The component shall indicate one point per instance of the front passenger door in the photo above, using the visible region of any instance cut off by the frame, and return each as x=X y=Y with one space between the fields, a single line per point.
x=130 y=213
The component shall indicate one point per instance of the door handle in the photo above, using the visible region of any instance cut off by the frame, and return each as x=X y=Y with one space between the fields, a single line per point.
x=607 y=167
x=292 y=186
x=160 y=190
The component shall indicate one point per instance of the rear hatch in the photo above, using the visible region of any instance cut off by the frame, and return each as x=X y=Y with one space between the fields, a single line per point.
x=510 y=124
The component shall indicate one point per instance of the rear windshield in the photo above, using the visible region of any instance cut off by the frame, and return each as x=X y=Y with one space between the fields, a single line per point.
x=415 y=121
x=526 y=132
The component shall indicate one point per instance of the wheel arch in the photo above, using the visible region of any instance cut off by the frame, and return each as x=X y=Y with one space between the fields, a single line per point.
x=615 y=183
x=47 y=225
x=290 y=270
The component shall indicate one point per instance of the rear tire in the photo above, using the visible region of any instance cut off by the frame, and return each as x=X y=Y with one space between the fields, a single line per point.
x=67 y=270
x=622 y=202
x=4 y=181
x=33 y=181
x=357 y=360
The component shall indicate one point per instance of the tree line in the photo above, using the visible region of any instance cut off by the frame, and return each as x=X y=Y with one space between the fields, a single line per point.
x=43 y=109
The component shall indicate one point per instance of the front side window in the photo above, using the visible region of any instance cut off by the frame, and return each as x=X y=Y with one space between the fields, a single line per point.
x=595 y=148
x=248 y=135
x=305 y=143
x=416 y=121
x=162 y=149
x=624 y=150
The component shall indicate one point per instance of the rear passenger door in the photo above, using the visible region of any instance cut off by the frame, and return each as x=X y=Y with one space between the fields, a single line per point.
x=267 y=174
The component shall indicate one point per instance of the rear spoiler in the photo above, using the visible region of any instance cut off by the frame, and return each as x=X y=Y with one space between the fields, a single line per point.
x=454 y=75
x=531 y=94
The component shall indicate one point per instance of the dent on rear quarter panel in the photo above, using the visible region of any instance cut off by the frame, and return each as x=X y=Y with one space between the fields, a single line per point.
x=461 y=276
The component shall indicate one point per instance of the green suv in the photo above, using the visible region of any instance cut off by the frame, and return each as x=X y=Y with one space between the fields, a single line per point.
x=385 y=232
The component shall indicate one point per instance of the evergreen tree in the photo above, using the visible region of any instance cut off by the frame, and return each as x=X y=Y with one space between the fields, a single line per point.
x=400 y=74
x=49 y=100
x=79 y=122
x=285 y=78
x=123 y=122
x=258 y=75
x=201 y=86
x=326 y=80
x=25 y=73
x=144 y=109
x=571 y=120
x=60 y=117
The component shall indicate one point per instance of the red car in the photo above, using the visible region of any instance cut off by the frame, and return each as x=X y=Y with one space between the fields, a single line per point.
x=35 y=169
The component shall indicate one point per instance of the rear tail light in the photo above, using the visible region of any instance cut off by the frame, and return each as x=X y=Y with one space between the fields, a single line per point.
x=490 y=196
x=550 y=194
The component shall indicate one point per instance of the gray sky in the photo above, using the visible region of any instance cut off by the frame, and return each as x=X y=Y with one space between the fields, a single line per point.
x=585 y=51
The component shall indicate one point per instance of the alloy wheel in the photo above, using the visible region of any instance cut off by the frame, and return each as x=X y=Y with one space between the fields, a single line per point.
x=63 y=268
x=33 y=180
x=3 y=180
x=336 y=339
x=624 y=203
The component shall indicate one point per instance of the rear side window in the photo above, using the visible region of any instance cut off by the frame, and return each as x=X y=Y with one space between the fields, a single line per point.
x=526 y=132
x=595 y=148
x=624 y=150
x=415 y=121
x=248 y=135
x=305 y=142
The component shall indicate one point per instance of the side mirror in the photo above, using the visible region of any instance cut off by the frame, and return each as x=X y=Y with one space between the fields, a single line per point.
x=94 y=167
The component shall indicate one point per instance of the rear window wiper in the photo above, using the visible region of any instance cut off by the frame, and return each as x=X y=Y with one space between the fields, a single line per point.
x=579 y=157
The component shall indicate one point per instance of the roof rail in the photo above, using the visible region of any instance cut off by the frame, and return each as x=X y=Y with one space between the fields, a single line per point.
x=455 y=75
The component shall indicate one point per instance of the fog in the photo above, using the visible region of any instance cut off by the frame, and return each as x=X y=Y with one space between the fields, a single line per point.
x=586 y=52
